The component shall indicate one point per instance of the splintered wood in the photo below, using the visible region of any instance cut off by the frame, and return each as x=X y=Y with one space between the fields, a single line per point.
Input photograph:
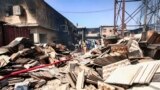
x=80 y=80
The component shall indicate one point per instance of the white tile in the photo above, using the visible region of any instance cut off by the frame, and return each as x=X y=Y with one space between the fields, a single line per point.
x=123 y=75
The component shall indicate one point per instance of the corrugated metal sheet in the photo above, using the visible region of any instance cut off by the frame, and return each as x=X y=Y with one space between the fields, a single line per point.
x=11 y=32
x=1 y=38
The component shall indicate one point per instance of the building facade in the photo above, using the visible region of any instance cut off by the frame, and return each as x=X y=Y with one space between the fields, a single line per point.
x=42 y=21
x=107 y=31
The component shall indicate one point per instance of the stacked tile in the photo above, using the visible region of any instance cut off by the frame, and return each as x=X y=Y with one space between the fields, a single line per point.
x=146 y=73
x=108 y=60
x=108 y=69
x=124 y=75
x=141 y=73
x=156 y=77
x=151 y=86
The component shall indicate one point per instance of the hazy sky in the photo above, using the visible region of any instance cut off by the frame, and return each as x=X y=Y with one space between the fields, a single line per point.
x=89 y=13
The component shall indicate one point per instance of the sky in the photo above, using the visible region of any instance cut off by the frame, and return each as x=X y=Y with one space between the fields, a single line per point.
x=88 y=13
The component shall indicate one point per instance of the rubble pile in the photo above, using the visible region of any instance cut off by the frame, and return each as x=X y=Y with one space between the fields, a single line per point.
x=22 y=61
x=120 y=66
x=150 y=44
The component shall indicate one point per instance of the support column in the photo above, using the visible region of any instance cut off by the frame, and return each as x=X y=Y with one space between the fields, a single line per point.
x=145 y=16
x=123 y=17
x=115 y=15
x=36 y=37
x=1 y=34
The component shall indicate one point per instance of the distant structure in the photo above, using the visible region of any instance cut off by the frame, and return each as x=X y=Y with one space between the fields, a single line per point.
x=92 y=33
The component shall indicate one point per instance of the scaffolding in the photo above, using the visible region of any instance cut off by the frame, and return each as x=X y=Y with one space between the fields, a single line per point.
x=150 y=14
x=147 y=11
x=120 y=13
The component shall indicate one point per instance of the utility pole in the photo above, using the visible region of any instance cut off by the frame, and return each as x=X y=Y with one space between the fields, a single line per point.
x=145 y=15
x=83 y=33
x=115 y=14
x=123 y=18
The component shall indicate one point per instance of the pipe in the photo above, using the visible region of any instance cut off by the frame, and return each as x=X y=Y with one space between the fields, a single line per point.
x=30 y=69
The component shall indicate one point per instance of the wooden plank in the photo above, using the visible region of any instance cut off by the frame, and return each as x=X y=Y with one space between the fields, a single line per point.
x=105 y=86
x=91 y=82
x=80 y=80
x=108 y=60
x=70 y=80
x=4 y=60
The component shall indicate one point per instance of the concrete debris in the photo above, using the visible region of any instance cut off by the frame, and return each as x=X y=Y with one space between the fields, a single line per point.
x=4 y=60
x=127 y=64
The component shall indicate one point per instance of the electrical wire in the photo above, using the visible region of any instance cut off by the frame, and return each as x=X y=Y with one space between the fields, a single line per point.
x=96 y=11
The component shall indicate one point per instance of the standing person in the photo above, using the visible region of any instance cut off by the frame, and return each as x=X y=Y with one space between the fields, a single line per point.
x=80 y=46
x=88 y=44
x=84 y=47
x=95 y=44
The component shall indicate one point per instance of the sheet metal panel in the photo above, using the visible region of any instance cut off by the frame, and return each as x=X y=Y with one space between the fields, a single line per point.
x=11 y=32
x=1 y=37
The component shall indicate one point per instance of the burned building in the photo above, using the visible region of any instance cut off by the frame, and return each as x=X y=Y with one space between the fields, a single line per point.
x=107 y=31
x=34 y=19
